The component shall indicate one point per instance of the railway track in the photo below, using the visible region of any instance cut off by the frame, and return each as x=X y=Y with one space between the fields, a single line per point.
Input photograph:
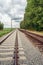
x=35 y=37
x=11 y=51
x=15 y=51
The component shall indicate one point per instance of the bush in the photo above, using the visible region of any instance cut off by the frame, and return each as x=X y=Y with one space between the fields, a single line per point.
x=1 y=26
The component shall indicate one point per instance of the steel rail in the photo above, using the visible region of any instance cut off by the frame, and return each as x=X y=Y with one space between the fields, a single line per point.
x=32 y=35
x=16 y=51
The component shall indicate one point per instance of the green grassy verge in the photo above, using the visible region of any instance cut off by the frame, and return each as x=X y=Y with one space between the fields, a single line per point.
x=5 y=31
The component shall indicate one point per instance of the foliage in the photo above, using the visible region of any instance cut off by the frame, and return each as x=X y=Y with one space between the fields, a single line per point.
x=1 y=26
x=33 y=18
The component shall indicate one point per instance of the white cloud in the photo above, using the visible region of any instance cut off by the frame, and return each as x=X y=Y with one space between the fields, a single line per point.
x=6 y=20
x=11 y=9
x=15 y=24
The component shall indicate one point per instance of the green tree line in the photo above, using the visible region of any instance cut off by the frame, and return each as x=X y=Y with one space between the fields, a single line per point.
x=1 y=26
x=33 y=17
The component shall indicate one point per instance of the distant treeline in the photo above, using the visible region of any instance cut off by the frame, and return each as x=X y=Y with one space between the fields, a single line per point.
x=33 y=17
x=1 y=26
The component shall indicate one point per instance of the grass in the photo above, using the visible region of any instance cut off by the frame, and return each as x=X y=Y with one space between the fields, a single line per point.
x=5 y=31
x=37 y=32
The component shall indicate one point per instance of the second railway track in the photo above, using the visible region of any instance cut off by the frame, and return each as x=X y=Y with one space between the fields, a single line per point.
x=35 y=38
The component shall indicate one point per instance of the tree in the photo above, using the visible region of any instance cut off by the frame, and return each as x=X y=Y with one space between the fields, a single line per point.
x=33 y=17
x=1 y=26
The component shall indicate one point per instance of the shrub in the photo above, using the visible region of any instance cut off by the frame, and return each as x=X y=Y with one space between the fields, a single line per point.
x=1 y=26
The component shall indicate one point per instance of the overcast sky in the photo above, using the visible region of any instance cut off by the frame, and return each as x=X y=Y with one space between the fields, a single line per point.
x=12 y=9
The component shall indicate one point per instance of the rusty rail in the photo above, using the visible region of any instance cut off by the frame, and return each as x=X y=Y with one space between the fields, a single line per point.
x=34 y=36
x=16 y=51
